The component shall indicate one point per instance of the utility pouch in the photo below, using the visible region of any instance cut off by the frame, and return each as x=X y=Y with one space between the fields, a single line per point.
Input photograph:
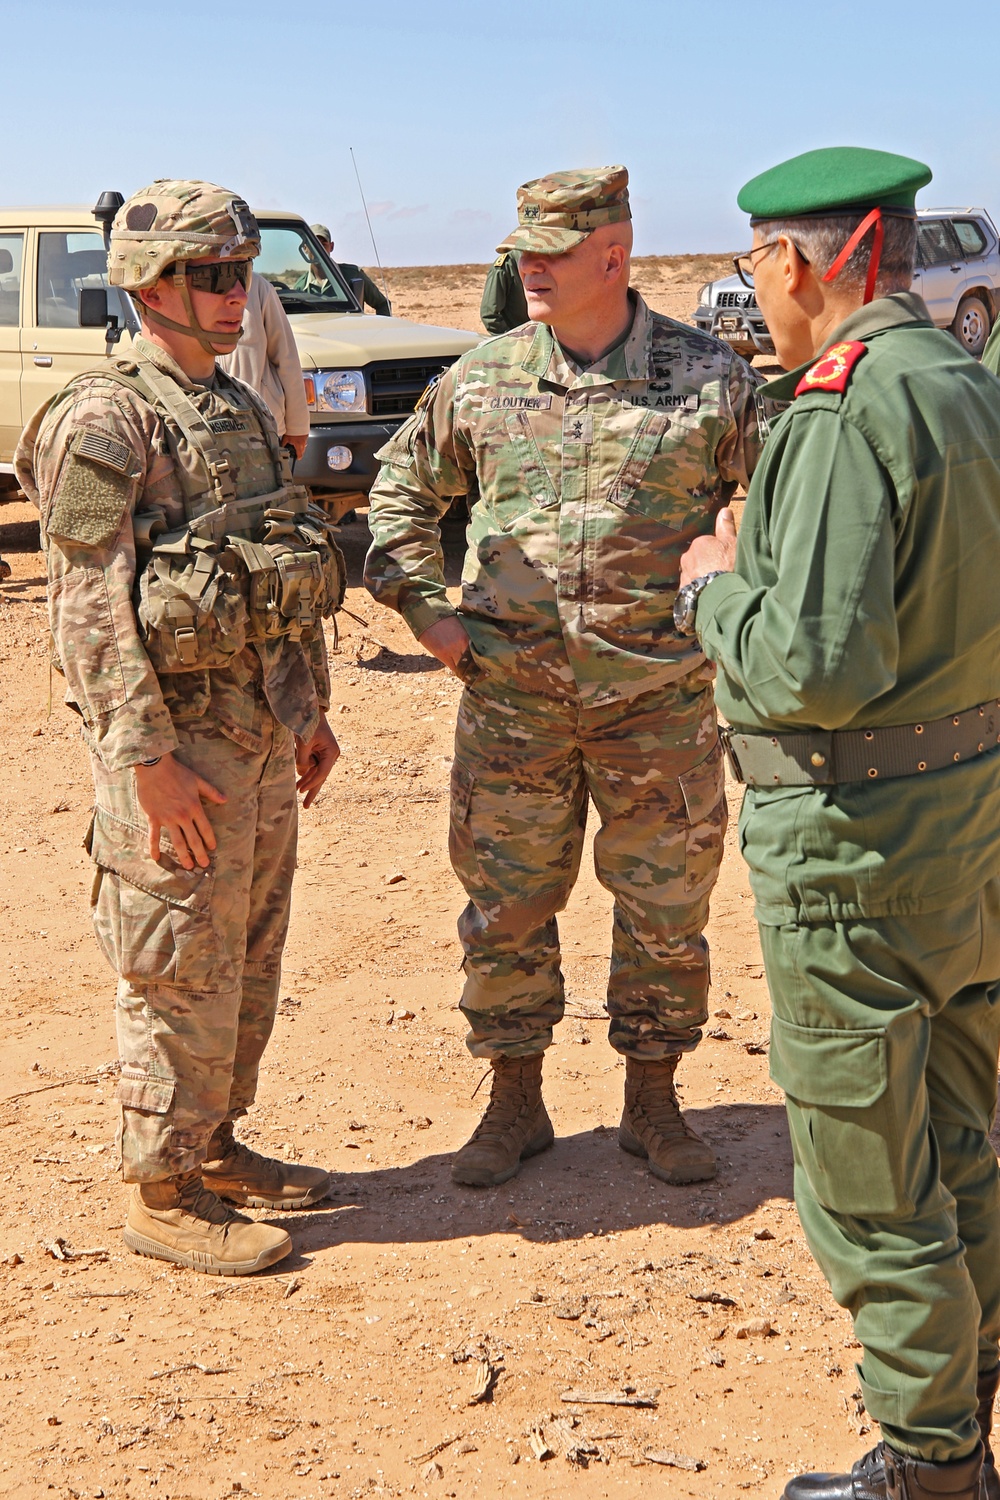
x=292 y=578
x=192 y=614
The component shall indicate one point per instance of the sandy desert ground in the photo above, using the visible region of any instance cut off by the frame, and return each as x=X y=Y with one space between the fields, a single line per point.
x=633 y=1339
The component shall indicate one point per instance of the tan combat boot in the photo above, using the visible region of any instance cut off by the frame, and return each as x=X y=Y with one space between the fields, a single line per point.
x=242 y=1176
x=179 y=1220
x=653 y=1126
x=514 y=1126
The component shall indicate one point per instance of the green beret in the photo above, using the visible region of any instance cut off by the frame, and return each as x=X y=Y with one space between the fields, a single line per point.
x=833 y=180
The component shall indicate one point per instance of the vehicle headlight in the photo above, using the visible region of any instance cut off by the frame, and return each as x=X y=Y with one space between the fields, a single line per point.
x=341 y=390
x=705 y=295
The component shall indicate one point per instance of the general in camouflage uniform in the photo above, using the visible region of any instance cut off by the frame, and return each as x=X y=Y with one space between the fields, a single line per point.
x=593 y=446
x=187 y=580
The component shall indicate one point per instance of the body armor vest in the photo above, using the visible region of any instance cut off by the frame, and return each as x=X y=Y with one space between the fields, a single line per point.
x=243 y=569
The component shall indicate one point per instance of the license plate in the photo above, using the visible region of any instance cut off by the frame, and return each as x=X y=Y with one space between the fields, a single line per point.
x=735 y=335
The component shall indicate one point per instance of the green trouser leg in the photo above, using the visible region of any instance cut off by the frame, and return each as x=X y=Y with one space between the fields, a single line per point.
x=525 y=769
x=885 y=1038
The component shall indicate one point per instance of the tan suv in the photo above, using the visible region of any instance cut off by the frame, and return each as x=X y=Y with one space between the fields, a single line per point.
x=363 y=375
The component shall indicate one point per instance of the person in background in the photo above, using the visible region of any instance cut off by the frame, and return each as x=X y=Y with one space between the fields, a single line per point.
x=370 y=296
x=504 y=305
x=267 y=360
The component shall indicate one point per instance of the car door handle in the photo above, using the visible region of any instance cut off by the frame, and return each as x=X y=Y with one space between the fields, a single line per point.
x=956 y=268
x=45 y=360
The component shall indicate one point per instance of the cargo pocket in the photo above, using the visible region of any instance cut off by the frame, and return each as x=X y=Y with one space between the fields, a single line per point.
x=704 y=791
x=847 y=1125
x=144 y=1138
x=461 y=845
x=153 y=921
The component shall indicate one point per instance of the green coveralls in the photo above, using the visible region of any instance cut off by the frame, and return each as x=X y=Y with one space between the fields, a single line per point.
x=865 y=595
x=504 y=305
x=370 y=294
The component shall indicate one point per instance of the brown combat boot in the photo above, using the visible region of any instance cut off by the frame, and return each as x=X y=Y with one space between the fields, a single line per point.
x=242 y=1176
x=514 y=1126
x=180 y=1221
x=653 y=1126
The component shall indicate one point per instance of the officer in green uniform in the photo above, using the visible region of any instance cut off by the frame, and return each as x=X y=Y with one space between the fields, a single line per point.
x=370 y=295
x=991 y=354
x=504 y=305
x=855 y=625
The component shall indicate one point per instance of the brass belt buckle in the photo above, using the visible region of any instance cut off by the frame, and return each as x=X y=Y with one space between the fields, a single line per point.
x=726 y=739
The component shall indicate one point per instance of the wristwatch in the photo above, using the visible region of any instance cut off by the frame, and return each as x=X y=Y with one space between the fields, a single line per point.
x=686 y=602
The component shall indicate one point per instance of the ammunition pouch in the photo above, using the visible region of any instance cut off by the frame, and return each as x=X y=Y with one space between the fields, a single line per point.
x=207 y=591
x=240 y=571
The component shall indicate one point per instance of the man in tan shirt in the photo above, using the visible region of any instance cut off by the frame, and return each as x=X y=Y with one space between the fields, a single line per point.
x=267 y=360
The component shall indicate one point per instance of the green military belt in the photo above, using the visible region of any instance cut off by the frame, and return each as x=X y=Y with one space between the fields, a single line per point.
x=825 y=757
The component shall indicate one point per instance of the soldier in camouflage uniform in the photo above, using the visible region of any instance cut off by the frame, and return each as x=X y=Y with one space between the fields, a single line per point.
x=161 y=484
x=593 y=444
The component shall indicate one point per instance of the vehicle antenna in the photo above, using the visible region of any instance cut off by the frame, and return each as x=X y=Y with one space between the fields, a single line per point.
x=371 y=231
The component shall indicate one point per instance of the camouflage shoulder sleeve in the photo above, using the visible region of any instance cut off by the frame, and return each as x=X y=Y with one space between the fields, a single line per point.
x=428 y=462
x=88 y=462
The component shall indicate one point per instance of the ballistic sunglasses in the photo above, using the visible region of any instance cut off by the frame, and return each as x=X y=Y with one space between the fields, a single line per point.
x=219 y=277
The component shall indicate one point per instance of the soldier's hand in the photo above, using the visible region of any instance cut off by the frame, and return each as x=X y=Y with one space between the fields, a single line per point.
x=711 y=554
x=296 y=441
x=314 y=760
x=448 y=640
x=172 y=798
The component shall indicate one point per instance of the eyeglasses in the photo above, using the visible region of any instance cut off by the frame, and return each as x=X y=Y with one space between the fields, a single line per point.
x=744 y=263
x=219 y=277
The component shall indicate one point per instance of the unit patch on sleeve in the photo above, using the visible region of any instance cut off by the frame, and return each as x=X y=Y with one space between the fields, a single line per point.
x=833 y=371
x=93 y=490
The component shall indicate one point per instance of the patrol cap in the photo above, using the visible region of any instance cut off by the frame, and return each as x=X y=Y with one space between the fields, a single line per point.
x=556 y=212
x=175 y=220
x=834 y=180
x=321 y=232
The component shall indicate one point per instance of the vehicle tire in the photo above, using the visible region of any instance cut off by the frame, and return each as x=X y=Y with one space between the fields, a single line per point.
x=972 y=325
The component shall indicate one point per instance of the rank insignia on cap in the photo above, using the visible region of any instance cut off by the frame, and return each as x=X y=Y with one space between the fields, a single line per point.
x=833 y=371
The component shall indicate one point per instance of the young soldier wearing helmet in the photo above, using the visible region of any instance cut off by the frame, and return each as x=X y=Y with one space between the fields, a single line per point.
x=188 y=580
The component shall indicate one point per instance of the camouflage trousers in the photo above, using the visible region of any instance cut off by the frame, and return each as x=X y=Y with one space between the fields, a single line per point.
x=197 y=952
x=525 y=769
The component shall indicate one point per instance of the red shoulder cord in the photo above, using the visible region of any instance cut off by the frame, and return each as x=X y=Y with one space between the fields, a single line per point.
x=875 y=217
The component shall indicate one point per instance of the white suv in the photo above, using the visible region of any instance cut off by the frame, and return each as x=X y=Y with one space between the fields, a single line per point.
x=957 y=273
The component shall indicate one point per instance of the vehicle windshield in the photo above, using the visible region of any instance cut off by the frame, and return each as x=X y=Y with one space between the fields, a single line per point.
x=301 y=274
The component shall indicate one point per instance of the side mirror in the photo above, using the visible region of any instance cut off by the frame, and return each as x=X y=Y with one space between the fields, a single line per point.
x=358 y=288
x=93 y=307
x=6 y=263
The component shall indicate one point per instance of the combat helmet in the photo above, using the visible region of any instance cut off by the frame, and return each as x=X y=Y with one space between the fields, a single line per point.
x=172 y=221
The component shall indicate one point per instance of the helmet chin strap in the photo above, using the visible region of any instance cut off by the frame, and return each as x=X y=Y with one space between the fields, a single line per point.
x=214 y=343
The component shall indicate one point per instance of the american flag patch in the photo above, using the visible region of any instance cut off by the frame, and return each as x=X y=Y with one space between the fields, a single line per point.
x=102 y=449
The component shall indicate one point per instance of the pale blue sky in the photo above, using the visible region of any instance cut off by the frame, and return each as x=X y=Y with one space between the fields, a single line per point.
x=449 y=104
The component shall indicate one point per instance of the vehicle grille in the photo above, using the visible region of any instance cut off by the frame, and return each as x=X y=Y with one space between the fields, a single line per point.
x=736 y=299
x=396 y=386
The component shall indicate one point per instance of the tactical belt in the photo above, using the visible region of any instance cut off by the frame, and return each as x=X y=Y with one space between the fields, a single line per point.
x=826 y=757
